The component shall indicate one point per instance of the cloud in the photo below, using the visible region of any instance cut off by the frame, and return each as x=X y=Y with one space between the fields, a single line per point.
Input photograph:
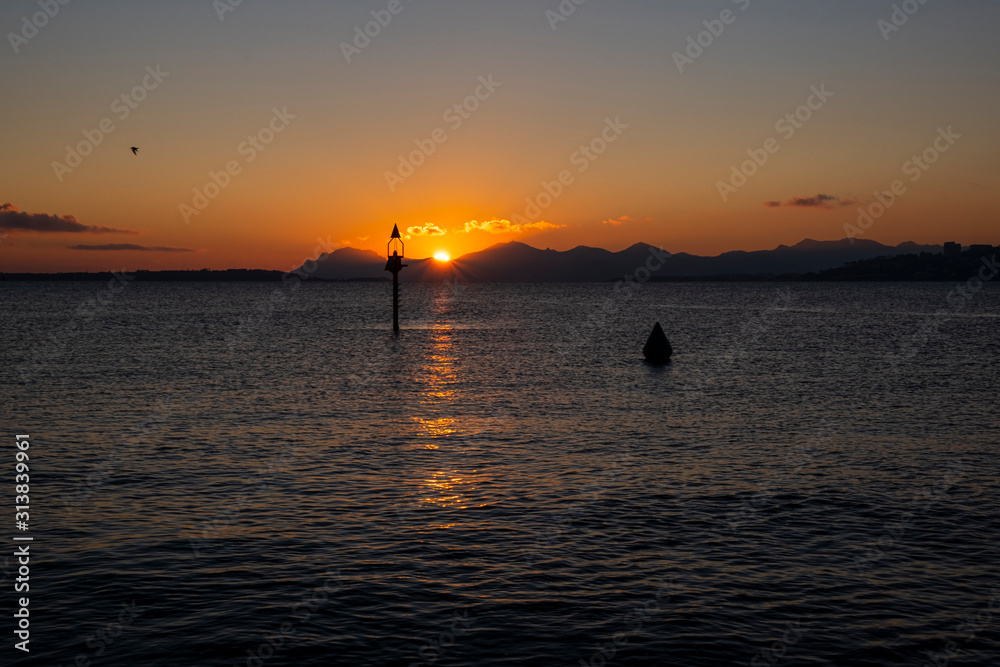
x=430 y=229
x=505 y=227
x=128 y=246
x=492 y=227
x=828 y=202
x=617 y=222
x=541 y=225
x=13 y=218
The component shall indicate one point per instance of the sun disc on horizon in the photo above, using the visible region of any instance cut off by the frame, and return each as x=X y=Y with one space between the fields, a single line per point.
x=442 y=256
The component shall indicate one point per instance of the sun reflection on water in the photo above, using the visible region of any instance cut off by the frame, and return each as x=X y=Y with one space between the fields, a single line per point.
x=439 y=377
x=445 y=484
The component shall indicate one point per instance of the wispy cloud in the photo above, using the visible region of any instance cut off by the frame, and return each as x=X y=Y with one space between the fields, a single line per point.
x=818 y=201
x=12 y=217
x=617 y=222
x=505 y=227
x=430 y=229
x=129 y=246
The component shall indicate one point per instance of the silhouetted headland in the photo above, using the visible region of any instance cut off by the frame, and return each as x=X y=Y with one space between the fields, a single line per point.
x=519 y=263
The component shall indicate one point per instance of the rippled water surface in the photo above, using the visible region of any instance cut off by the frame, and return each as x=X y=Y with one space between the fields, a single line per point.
x=265 y=476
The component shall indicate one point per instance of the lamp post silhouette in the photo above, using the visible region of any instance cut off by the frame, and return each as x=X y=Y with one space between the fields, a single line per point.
x=394 y=263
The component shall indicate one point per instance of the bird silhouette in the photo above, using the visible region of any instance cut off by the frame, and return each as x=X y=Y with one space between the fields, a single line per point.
x=135 y=150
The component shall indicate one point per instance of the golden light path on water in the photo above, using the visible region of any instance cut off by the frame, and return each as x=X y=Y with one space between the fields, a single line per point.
x=443 y=485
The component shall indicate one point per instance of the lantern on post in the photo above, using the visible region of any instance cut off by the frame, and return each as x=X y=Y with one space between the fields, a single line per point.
x=394 y=263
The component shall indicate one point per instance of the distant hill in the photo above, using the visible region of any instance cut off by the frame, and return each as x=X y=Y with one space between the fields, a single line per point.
x=804 y=257
x=925 y=266
x=519 y=262
x=351 y=264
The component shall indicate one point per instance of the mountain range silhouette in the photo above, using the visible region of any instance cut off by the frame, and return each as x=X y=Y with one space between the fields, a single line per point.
x=518 y=262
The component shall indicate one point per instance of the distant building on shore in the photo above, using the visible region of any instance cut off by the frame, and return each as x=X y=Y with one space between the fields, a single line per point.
x=952 y=249
x=980 y=249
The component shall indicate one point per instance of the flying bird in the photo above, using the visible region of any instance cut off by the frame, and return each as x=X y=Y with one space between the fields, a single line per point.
x=135 y=150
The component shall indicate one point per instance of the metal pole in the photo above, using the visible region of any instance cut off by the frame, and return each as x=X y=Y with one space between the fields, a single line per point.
x=395 y=301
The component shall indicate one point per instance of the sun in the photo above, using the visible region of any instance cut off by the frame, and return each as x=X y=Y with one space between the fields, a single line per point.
x=442 y=256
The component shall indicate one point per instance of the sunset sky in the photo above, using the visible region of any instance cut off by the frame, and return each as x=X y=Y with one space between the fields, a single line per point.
x=607 y=76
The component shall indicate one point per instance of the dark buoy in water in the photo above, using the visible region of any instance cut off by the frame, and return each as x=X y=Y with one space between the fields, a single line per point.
x=657 y=349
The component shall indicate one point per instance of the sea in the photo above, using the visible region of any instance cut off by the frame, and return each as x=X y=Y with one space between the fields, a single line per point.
x=250 y=474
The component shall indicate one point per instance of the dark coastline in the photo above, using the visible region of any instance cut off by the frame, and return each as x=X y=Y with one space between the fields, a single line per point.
x=925 y=267
x=226 y=276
